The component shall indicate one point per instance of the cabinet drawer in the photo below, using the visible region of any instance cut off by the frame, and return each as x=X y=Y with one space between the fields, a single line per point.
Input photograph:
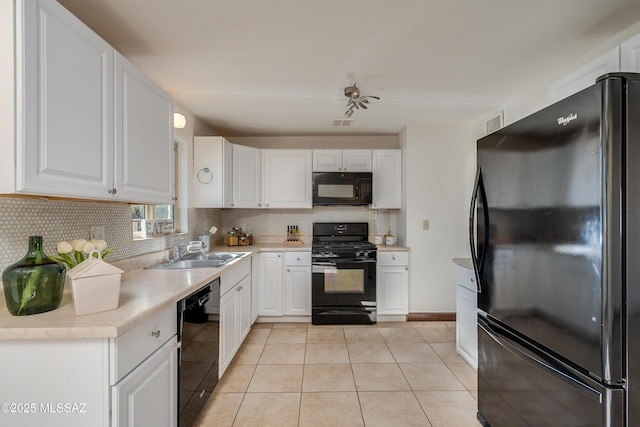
x=132 y=348
x=393 y=258
x=294 y=259
x=466 y=277
x=239 y=271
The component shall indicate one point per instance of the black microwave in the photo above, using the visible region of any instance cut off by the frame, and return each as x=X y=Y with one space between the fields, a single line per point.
x=341 y=188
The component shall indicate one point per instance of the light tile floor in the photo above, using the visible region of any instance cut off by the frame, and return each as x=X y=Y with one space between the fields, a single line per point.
x=389 y=374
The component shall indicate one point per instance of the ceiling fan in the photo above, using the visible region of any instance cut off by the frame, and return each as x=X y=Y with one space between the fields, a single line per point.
x=356 y=100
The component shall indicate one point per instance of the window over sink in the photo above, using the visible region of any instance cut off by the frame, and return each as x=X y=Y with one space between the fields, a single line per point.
x=152 y=220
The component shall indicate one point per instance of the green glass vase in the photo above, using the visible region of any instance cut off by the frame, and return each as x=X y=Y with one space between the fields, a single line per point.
x=35 y=283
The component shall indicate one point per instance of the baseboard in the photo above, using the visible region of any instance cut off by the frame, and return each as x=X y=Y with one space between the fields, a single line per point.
x=441 y=317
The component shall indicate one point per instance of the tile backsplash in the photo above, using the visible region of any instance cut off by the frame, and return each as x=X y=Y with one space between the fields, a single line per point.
x=55 y=220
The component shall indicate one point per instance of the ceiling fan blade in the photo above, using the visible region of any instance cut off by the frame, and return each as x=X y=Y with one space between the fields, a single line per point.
x=348 y=113
x=362 y=105
x=366 y=101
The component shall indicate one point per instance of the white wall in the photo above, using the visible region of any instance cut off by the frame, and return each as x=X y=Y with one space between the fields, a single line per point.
x=439 y=167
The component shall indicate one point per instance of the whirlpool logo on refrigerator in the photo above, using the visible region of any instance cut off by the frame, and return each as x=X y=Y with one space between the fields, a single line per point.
x=568 y=119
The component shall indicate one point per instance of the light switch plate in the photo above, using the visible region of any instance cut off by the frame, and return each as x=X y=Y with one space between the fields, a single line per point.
x=425 y=224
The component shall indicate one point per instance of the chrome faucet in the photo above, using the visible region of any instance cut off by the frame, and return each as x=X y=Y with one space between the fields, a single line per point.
x=194 y=247
x=179 y=250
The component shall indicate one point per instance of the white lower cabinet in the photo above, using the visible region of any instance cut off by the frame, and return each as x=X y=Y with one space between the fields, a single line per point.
x=392 y=280
x=284 y=284
x=270 y=284
x=235 y=312
x=466 y=317
x=127 y=381
x=147 y=396
x=297 y=283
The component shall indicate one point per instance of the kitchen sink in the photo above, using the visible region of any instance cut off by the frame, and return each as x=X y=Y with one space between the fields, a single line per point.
x=204 y=260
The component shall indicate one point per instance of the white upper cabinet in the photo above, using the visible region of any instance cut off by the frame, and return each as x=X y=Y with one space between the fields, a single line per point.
x=387 y=179
x=630 y=55
x=87 y=124
x=247 y=177
x=586 y=75
x=287 y=179
x=342 y=160
x=144 y=137
x=212 y=172
x=64 y=84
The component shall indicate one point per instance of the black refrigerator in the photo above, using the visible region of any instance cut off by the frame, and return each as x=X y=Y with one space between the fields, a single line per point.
x=555 y=242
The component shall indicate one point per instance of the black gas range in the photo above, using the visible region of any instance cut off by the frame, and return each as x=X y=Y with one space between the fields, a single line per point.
x=343 y=274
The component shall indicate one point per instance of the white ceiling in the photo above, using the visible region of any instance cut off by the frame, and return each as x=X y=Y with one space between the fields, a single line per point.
x=268 y=67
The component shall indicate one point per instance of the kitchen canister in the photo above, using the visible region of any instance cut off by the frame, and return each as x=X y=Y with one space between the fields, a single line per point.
x=378 y=240
x=206 y=240
x=389 y=240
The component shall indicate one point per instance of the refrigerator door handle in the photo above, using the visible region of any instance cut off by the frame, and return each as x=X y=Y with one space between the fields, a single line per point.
x=478 y=259
x=530 y=356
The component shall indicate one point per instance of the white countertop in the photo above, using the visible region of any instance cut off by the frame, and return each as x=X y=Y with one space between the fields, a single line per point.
x=142 y=294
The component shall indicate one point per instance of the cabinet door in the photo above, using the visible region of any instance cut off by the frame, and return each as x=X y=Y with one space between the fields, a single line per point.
x=466 y=325
x=356 y=160
x=65 y=88
x=387 y=179
x=228 y=329
x=144 y=137
x=244 y=308
x=270 y=286
x=392 y=289
x=247 y=177
x=297 y=291
x=287 y=179
x=211 y=172
x=147 y=396
x=327 y=160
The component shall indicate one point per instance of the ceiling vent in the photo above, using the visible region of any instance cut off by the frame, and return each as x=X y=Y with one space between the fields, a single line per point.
x=343 y=122
x=494 y=123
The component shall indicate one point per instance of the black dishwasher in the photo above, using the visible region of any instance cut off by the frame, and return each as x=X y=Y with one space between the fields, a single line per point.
x=198 y=335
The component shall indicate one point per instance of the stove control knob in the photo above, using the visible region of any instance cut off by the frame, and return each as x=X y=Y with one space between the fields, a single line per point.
x=358 y=253
x=366 y=254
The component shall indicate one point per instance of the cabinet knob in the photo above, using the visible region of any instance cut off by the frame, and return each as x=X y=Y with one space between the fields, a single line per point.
x=112 y=191
x=393 y=257
x=406 y=268
x=279 y=255
x=233 y=204
x=298 y=259
x=156 y=333
x=472 y=280
x=288 y=270
x=259 y=204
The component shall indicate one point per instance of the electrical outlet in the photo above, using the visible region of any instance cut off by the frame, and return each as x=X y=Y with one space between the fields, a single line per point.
x=425 y=224
x=373 y=214
x=96 y=232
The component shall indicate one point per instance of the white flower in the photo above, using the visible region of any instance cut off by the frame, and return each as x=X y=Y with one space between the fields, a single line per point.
x=64 y=247
x=78 y=244
x=88 y=247
x=101 y=245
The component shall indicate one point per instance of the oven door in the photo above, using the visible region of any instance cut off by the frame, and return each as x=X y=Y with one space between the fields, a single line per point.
x=343 y=291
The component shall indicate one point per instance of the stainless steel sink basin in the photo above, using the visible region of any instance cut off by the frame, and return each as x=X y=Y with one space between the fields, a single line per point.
x=206 y=260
